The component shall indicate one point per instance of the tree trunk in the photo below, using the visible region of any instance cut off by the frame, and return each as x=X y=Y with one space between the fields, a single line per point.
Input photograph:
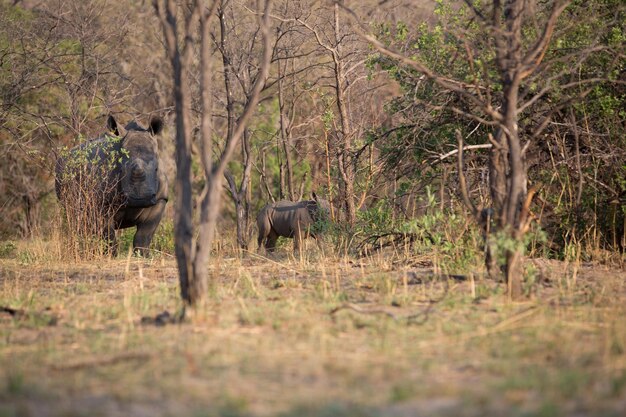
x=241 y=210
x=285 y=135
x=182 y=101
x=328 y=180
x=209 y=202
x=192 y=264
x=344 y=157
x=514 y=273
x=509 y=215
x=239 y=193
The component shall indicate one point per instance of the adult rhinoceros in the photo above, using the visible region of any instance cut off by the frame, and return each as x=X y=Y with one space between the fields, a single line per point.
x=290 y=219
x=123 y=173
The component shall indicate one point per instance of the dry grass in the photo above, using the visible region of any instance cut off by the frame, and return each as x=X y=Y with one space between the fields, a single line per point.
x=315 y=336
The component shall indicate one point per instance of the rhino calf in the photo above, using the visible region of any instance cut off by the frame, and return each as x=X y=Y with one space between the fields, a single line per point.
x=290 y=219
x=131 y=188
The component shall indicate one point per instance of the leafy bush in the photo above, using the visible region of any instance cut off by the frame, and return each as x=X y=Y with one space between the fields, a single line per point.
x=86 y=185
x=7 y=249
x=572 y=123
x=450 y=239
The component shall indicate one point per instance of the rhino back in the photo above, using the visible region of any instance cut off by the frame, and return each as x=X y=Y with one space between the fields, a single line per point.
x=287 y=216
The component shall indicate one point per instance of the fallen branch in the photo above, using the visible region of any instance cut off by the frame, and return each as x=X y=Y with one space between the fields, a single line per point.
x=13 y=312
x=164 y=318
x=19 y=314
x=465 y=148
x=360 y=310
x=410 y=318
x=106 y=361
x=373 y=242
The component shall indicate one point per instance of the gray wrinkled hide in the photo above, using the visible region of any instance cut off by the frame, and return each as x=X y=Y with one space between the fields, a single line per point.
x=289 y=219
x=138 y=187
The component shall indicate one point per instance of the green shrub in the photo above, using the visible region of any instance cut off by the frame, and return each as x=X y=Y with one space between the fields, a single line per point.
x=162 y=242
x=87 y=192
x=7 y=249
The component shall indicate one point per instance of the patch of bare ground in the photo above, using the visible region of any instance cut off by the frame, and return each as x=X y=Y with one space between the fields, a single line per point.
x=310 y=337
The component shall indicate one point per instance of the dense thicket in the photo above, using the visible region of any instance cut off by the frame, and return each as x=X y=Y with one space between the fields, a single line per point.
x=571 y=113
x=365 y=130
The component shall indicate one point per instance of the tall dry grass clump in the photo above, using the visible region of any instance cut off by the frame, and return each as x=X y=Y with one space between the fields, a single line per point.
x=86 y=185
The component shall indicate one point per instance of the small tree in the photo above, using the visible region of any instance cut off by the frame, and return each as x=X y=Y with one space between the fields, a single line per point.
x=180 y=42
x=496 y=72
x=238 y=45
x=347 y=111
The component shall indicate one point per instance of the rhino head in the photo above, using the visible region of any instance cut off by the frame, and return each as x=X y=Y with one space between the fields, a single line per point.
x=322 y=209
x=320 y=214
x=139 y=180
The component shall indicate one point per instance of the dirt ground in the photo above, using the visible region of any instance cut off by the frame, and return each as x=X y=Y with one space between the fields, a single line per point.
x=286 y=337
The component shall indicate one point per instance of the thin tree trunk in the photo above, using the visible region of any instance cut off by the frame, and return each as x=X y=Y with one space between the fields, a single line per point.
x=179 y=60
x=239 y=194
x=193 y=264
x=345 y=160
x=516 y=178
x=285 y=135
x=230 y=101
x=242 y=211
x=328 y=180
x=208 y=206
x=183 y=222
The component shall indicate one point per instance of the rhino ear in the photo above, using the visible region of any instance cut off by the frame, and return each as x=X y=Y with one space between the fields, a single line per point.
x=112 y=125
x=156 y=125
x=314 y=195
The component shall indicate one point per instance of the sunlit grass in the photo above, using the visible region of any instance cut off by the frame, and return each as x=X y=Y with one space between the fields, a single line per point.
x=310 y=335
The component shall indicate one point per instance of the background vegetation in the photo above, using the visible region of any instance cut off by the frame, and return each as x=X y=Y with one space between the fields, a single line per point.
x=66 y=66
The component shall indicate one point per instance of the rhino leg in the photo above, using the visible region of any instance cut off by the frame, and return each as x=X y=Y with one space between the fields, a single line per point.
x=264 y=227
x=145 y=230
x=316 y=238
x=270 y=243
x=298 y=237
x=262 y=237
